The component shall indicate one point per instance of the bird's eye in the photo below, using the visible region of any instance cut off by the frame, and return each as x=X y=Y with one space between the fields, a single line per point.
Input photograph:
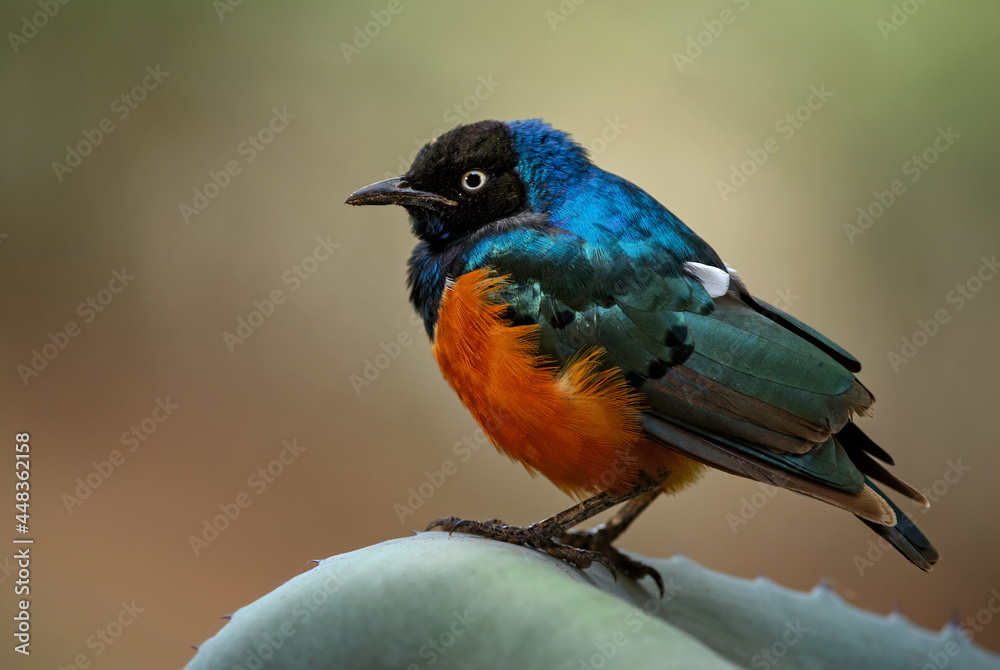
x=473 y=180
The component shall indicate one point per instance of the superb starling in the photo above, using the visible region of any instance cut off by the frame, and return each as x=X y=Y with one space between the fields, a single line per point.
x=600 y=342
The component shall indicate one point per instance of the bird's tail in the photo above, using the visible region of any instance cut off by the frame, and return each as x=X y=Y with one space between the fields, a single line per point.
x=904 y=536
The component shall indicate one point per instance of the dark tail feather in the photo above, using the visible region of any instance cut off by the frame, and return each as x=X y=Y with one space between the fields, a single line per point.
x=860 y=448
x=905 y=536
x=852 y=436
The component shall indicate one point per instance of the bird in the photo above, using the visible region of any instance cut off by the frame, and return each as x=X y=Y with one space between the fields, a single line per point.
x=601 y=343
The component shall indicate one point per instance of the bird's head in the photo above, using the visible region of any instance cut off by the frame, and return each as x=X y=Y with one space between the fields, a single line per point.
x=479 y=173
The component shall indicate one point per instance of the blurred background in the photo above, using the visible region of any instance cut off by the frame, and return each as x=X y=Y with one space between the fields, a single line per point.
x=165 y=165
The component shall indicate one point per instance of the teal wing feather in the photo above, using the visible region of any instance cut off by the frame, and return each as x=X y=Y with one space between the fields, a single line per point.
x=729 y=381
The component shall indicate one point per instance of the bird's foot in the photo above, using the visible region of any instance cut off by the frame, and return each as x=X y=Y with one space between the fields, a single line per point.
x=598 y=540
x=538 y=535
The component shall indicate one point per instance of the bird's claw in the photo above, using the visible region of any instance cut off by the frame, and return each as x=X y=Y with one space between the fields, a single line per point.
x=581 y=558
x=489 y=528
x=596 y=541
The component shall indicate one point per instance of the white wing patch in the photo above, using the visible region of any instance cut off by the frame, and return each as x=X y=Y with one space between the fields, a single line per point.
x=715 y=281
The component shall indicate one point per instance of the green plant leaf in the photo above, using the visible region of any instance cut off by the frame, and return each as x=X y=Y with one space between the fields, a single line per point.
x=466 y=602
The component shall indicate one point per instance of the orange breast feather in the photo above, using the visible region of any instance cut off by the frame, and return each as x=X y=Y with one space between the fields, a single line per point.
x=578 y=426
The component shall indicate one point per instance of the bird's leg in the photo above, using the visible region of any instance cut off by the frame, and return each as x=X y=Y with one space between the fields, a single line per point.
x=542 y=535
x=599 y=539
x=616 y=525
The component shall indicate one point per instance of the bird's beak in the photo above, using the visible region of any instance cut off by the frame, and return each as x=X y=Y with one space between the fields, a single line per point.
x=397 y=191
